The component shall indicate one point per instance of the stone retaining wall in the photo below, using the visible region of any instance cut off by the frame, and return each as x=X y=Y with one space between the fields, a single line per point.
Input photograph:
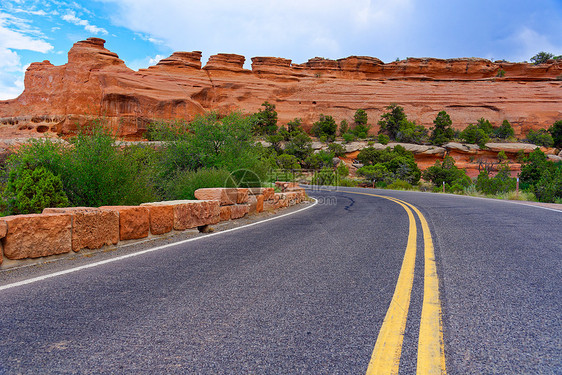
x=63 y=230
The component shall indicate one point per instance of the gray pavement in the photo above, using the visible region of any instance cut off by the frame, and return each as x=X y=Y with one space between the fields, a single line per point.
x=306 y=293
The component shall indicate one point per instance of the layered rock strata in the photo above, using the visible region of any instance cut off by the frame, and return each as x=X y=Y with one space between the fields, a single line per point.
x=96 y=83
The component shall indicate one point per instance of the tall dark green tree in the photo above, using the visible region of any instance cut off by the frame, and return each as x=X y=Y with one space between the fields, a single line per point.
x=473 y=134
x=361 y=128
x=485 y=125
x=325 y=127
x=265 y=121
x=443 y=131
x=391 y=121
x=556 y=133
x=541 y=57
x=505 y=130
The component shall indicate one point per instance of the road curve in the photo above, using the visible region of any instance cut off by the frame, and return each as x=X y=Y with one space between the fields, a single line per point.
x=307 y=293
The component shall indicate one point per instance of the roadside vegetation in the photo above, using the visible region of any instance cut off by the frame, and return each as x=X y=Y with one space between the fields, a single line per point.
x=94 y=168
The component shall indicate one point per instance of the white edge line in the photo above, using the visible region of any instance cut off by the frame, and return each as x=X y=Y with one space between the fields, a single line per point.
x=91 y=265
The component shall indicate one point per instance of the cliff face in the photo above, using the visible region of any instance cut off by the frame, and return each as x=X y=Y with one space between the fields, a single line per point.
x=95 y=82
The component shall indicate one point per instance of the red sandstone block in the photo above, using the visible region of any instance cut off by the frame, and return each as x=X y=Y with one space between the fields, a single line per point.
x=3 y=229
x=253 y=202
x=161 y=217
x=226 y=211
x=92 y=228
x=239 y=210
x=283 y=200
x=270 y=205
x=266 y=192
x=37 y=235
x=242 y=195
x=192 y=213
x=134 y=221
x=259 y=204
x=226 y=196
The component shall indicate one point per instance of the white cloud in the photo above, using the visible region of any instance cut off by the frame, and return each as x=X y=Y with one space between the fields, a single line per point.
x=529 y=42
x=291 y=28
x=70 y=16
x=145 y=62
x=32 y=12
x=16 y=34
x=155 y=60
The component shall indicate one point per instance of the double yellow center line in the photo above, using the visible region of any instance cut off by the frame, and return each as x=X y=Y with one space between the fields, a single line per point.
x=388 y=348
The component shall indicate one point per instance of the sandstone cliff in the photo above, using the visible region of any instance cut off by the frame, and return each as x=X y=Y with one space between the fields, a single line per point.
x=95 y=82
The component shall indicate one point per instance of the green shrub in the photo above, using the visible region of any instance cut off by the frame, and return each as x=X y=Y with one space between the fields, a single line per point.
x=32 y=190
x=167 y=130
x=383 y=139
x=336 y=149
x=375 y=173
x=400 y=185
x=399 y=163
x=541 y=177
x=348 y=182
x=264 y=122
x=392 y=120
x=504 y=131
x=556 y=132
x=344 y=128
x=326 y=176
x=300 y=146
x=540 y=137
x=502 y=182
x=184 y=183
x=294 y=126
x=348 y=137
x=342 y=170
x=98 y=172
x=541 y=57
x=409 y=132
x=325 y=128
x=361 y=128
x=446 y=171
x=443 y=131
x=473 y=134
x=288 y=162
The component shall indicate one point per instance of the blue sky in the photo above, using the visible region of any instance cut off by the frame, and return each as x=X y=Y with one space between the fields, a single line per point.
x=143 y=31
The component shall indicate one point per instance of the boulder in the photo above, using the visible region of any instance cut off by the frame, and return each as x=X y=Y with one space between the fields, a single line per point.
x=161 y=217
x=242 y=196
x=226 y=196
x=192 y=213
x=239 y=210
x=266 y=192
x=259 y=204
x=134 y=222
x=226 y=212
x=3 y=229
x=37 y=235
x=270 y=205
x=92 y=228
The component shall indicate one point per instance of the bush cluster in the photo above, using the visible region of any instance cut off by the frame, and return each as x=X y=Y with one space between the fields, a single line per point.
x=95 y=169
x=542 y=177
x=383 y=167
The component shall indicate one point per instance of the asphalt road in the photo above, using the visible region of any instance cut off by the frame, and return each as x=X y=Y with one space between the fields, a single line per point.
x=306 y=293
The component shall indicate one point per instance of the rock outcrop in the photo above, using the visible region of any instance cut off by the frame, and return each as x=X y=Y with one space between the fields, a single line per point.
x=469 y=157
x=96 y=83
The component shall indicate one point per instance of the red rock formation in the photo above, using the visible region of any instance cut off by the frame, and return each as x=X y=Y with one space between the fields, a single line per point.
x=95 y=82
